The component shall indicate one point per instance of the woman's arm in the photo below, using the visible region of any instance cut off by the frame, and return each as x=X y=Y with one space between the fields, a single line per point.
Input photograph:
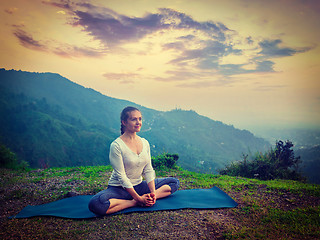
x=148 y=171
x=152 y=186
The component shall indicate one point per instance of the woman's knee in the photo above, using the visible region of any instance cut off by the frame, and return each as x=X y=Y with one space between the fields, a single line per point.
x=97 y=207
x=171 y=181
x=174 y=184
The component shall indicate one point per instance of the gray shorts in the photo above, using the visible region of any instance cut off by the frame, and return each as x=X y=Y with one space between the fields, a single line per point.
x=100 y=203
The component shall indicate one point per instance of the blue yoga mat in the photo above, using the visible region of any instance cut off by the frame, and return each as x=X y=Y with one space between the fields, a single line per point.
x=77 y=207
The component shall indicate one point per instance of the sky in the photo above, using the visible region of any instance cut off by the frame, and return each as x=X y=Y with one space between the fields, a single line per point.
x=248 y=63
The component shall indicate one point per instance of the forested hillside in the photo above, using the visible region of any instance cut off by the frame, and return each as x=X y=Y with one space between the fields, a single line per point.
x=48 y=120
x=310 y=163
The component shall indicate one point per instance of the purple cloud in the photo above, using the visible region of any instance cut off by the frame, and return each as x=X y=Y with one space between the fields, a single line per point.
x=69 y=51
x=206 y=57
x=114 y=29
x=265 y=66
x=28 y=41
x=233 y=69
x=270 y=48
x=60 y=49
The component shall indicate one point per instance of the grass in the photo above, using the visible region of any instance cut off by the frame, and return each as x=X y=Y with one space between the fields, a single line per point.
x=277 y=209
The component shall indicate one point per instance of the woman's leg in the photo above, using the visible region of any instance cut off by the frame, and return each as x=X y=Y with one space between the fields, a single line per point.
x=117 y=205
x=163 y=191
x=115 y=199
x=111 y=200
x=164 y=187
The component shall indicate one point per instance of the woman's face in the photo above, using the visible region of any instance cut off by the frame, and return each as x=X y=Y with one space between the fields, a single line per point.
x=134 y=122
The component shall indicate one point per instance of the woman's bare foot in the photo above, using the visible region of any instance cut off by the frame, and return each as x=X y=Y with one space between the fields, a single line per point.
x=152 y=195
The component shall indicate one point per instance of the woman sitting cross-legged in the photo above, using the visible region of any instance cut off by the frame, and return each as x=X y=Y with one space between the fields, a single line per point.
x=131 y=159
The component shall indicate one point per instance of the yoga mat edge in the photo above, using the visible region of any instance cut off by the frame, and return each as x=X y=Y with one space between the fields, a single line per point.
x=77 y=207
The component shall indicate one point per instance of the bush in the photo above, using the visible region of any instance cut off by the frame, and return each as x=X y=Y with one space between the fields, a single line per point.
x=9 y=160
x=165 y=160
x=278 y=163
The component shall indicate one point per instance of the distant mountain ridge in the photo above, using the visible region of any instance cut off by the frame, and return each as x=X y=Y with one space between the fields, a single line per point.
x=48 y=120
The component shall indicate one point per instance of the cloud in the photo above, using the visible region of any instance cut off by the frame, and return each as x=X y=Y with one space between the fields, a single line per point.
x=179 y=75
x=28 y=41
x=55 y=47
x=194 y=49
x=120 y=76
x=174 y=46
x=123 y=78
x=11 y=10
x=270 y=48
x=249 y=40
x=220 y=81
x=64 y=4
x=234 y=69
x=211 y=52
x=114 y=29
x=69 y=51
x=269 y=88
x=199 y=84
x=206 y=57
x=187 y=37
x=265 y=66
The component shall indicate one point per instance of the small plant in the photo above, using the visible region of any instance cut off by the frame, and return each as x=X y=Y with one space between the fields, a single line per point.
x=165 y=160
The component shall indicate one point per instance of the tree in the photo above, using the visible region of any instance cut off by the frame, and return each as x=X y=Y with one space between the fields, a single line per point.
x=286 y=165
x=7 y=158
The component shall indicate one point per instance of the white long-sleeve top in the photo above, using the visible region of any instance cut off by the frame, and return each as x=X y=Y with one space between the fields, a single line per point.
x=128 y=166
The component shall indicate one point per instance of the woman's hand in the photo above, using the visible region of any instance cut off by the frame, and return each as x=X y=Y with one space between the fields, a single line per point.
x=151 y=198
x=147 y=200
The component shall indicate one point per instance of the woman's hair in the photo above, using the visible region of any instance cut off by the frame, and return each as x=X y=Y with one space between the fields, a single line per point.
x=125 y=115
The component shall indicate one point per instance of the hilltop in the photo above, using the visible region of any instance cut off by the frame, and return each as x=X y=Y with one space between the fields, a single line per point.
x=278 y=209
x=50 y=121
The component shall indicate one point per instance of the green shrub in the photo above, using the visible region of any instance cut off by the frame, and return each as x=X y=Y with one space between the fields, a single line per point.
x=278 y=163
x=9 y=160
x=166 y=160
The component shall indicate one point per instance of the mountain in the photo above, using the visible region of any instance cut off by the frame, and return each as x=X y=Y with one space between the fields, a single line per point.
x=48 y=120
x=310 y=163
x=306 y=137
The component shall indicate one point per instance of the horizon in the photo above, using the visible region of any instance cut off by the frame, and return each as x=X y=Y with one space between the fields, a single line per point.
x=244 y=63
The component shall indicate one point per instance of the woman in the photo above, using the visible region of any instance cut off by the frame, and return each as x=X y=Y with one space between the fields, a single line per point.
x=131 y=159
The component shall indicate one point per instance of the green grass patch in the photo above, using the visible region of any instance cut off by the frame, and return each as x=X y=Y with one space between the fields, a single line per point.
x=299 y=222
